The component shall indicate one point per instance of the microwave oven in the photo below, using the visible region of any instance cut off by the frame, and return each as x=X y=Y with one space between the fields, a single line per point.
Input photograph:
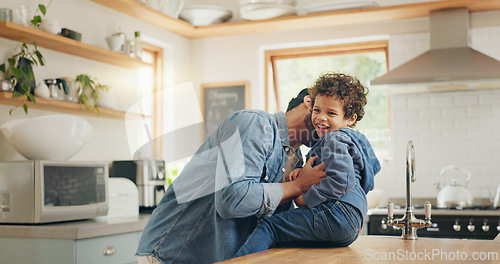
x=37 y=191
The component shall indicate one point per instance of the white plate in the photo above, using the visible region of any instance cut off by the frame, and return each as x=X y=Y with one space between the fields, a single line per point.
x=204 y=15
x=284 y=2
x=265 y=11
x=325 y=7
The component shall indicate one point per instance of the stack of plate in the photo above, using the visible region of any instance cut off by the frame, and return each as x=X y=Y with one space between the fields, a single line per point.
x=336 y=6
x=204 y=15
x=266 y=9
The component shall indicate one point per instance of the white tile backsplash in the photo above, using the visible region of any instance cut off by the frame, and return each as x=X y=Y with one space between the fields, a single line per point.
x=447 y=128
x=461 y=128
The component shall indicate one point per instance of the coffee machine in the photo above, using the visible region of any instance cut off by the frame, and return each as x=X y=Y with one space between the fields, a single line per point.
x=148 y=175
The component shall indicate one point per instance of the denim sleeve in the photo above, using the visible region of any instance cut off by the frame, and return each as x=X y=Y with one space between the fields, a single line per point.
x=242 y=169
x=337 y=152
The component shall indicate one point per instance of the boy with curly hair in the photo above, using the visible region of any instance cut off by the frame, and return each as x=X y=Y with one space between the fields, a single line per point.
x=332 y=212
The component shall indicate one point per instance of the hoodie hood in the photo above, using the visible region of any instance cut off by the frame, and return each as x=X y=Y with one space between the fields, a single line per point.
x=371 y=164
x=449 y=65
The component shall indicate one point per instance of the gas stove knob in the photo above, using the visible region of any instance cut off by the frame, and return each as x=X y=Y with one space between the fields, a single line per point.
x=485 y=227
x=383 y=225
x=471 y=227
x=498 y=227
x=456 y=227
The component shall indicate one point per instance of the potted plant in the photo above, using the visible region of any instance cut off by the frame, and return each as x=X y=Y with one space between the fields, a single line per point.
x=91 y=88
x=19 y=69
x=37 y=19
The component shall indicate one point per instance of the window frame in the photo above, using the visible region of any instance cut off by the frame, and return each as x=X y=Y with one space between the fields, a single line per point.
x=157 y=103
x=314 y=51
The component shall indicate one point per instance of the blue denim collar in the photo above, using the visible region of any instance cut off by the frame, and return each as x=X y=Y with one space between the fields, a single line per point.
x=283 y=128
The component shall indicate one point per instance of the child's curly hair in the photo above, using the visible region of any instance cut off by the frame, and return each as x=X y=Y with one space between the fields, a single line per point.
x=346 y=88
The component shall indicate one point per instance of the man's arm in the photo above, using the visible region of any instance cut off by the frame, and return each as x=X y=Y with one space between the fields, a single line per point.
x=307 y=177
x=241 y=192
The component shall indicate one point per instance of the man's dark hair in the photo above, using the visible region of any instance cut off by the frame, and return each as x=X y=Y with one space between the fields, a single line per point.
x=297 y=100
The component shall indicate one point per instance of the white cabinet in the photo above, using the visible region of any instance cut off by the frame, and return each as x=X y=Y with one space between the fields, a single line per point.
x=119 y=248
x=116 y=249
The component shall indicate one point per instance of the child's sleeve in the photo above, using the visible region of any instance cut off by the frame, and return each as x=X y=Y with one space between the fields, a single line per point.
x=337 y=152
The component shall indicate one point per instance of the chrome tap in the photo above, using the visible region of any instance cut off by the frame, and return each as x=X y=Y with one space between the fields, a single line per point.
x=408 y=223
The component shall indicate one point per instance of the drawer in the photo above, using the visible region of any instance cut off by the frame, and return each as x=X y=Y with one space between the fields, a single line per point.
x=120 y=249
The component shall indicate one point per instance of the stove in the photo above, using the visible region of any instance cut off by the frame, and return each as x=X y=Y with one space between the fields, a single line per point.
x=476 y=222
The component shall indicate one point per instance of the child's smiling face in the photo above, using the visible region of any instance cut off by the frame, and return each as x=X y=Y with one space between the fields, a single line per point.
x=328 y=115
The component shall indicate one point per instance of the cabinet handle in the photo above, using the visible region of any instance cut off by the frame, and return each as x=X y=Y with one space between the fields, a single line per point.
x=109 y=251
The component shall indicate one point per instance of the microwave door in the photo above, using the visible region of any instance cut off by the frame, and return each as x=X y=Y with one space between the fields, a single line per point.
x=71 y=192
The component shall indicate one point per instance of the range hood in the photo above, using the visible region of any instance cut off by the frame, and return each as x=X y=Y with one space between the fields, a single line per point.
x=449 y=65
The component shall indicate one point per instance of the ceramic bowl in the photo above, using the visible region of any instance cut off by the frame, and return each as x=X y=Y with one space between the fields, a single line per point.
x=204 y=15
x=265 y=11
x=52 y=137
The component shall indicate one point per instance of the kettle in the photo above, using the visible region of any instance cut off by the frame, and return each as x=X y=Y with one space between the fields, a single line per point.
x=454 y=195
x=496 y=200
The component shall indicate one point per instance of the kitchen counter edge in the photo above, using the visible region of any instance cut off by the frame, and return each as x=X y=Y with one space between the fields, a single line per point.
x=103 y=226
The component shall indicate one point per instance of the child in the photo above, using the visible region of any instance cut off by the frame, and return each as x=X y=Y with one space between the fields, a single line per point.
x=331 y=213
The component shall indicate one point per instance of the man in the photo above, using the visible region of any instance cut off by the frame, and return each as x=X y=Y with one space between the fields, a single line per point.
x=234 y=178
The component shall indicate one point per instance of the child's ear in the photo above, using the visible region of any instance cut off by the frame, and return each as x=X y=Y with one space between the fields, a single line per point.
x=352 y=120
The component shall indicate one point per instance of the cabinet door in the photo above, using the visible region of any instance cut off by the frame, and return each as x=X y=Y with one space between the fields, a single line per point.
x=36 y=250
x=116 y=249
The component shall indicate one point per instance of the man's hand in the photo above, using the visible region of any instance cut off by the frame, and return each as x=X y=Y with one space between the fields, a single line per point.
x=307 y=177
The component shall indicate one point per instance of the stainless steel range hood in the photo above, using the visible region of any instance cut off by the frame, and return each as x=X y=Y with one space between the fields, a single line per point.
x=449 y=65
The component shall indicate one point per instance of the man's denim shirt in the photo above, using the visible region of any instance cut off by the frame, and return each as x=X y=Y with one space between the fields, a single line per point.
x=232 y=180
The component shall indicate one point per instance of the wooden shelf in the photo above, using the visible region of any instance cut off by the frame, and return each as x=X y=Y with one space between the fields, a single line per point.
x=318 y=20
x=61 y=106
x=66 y=45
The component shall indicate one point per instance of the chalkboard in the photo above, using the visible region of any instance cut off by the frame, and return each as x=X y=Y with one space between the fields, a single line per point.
x=219 y=100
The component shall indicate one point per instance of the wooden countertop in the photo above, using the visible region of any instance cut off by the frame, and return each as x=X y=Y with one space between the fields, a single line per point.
x=103 y=226
x=385 y=249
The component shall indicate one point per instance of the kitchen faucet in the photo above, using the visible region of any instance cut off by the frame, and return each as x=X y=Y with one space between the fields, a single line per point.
x=408 y=222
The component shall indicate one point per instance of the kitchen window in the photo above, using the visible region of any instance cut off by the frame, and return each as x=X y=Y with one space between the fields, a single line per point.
x=290 y=70
x=150 y=82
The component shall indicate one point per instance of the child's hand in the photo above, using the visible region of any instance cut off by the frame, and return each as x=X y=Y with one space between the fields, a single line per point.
x=292 y=175
x=299 y=201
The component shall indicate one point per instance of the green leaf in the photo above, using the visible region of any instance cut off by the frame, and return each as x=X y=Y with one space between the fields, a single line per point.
x=12 y=61
x=42 y=9
x=36 y=20
x=84 y=99
x=10 y=111
x=2 y=68
x=17 y=73
x=32 y=98
x=17 y=94
x=25 y=107
x=40 y=57
x=25 y=88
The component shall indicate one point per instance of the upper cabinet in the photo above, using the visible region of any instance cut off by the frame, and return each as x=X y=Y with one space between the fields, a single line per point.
x=66 y=45
x=317 y=20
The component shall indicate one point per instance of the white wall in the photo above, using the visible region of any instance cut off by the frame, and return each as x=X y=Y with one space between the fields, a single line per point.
x=455 y=128
x=96 y=22
x=432 y=122
x=476 y=148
